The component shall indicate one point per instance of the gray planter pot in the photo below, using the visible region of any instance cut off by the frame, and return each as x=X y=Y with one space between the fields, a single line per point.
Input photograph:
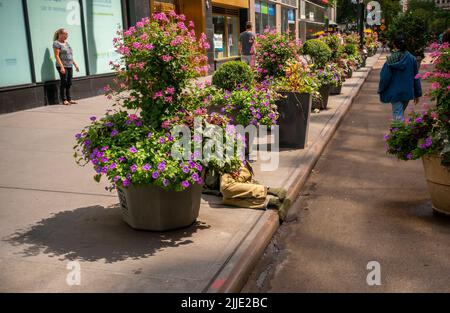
x=153 y=208
x=336 y=90
x=322 y=103
x=294 y=112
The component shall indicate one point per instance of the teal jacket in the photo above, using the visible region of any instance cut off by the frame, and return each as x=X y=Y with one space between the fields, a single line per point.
x=397 y=78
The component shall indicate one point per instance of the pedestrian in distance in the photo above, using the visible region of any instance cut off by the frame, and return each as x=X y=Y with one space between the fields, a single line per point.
x=399 y=82
x=64 y=64
x=246 y=41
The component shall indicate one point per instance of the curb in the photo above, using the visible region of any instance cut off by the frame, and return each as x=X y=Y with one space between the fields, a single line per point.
x=234 y=274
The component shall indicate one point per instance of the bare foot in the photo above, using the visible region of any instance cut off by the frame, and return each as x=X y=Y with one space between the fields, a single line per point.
x=66 y=102
x=72 y=102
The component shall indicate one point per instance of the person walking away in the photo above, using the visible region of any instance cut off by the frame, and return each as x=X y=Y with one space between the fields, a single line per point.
x=64 y=64
x=398 y=83
x=246 y=40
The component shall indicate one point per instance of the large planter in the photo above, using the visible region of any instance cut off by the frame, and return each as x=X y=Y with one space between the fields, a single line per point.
x=336 y=90
x=153 y=208
x=438 y=180
x=294 y=110
x=322 y=103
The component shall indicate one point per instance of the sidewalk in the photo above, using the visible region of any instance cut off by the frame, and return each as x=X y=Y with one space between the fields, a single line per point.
x=53 y=212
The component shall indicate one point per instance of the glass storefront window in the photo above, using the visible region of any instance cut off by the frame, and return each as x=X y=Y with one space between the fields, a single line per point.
x=272 y=16
x=45 y=18
x=265 y=16
x=219 y=36
x=14 y=57
x=102 y=20
x=233 y=35
x=226 y=36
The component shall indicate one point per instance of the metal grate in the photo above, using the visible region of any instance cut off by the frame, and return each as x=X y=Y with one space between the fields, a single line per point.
x=225 y=11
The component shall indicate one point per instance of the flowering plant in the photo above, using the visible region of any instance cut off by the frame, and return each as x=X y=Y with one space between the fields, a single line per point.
x=272 y=51
x=254 y=105
x=158 y=58
x=298 y=78
x=140 y=144
x=122 y=148
x=427 y=132
x=326 y=75
x=422 y=133
x=440 y=78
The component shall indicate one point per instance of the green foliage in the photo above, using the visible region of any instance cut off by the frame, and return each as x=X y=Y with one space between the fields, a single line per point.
x=414 y=28
x=232 y=74
x=318 y=50
x=351 y=49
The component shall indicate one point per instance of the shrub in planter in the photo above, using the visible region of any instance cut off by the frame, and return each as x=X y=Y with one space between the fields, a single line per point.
x=134 y=147
x=233 y=74
x=297 y=89
x=318 y=51
x=332 y=41
x=272 y=51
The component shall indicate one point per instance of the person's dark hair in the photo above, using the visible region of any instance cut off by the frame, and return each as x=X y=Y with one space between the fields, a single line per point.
x=446 y=36
x=400 y=42
x=249 y=25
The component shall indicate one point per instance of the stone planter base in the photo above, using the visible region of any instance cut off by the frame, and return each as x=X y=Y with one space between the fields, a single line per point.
x=438 y=180
x=323 y=102
x=336 y=90
x=153 y=208
x=294 y=112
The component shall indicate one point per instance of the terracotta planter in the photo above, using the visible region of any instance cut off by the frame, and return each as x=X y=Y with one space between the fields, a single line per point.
x=322 y=103
x=153 y=208
x=438 y=180
x=294 y=110
x=336 y=90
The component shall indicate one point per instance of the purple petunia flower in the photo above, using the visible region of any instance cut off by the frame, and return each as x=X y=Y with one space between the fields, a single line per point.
x=121 y=159
x=409 y=156
x=198 y=167
x=165 y=182
x=104 y=159
x=93 y=118
x=116 y=178
x=185 y=183
x=418 y=120
x=200 y=181
x=133 y=150
x=150 y=135
x=138 y=123
x=78 y=136
x=114 y=133
x=133 y=168
x=195 y=177
x=162 y=166
x=155 y=174
x=108 y=124
x=185 y=169
x=104 y=148
x=161 y=140
x=146 y=167
x=112 y=166
x=126 y=182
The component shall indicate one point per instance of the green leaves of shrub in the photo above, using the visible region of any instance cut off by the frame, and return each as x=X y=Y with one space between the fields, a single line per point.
x=231 y=74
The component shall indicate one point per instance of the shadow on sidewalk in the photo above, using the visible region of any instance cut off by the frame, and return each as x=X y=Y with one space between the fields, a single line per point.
x=95 y=233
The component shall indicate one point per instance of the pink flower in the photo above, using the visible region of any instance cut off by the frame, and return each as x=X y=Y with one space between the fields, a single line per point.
x=168 y=99
x=144 y=36
x=417 y=76
x=448 y=87
x=181 y=26
x=172 y=13
x=434 y=115
x=426 y=75
x=149 y=46
x=435 y=85
x=170 y=90
x=166 y=58
x=158 y=94
x=139 y=24
x=136 y=45
x=182 y=17
x=191 y=24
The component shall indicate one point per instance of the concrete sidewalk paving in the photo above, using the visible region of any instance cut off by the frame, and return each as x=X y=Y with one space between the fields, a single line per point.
x=52 y=212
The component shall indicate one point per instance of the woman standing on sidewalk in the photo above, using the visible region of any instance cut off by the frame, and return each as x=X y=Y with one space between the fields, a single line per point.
x=398 y=82
x=64 y=64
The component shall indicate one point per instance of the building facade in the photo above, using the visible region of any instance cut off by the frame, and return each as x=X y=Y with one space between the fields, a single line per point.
x=28 y=76
x=443 y=4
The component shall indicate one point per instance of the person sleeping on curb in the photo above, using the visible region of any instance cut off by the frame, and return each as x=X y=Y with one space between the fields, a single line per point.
x=241 y=190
